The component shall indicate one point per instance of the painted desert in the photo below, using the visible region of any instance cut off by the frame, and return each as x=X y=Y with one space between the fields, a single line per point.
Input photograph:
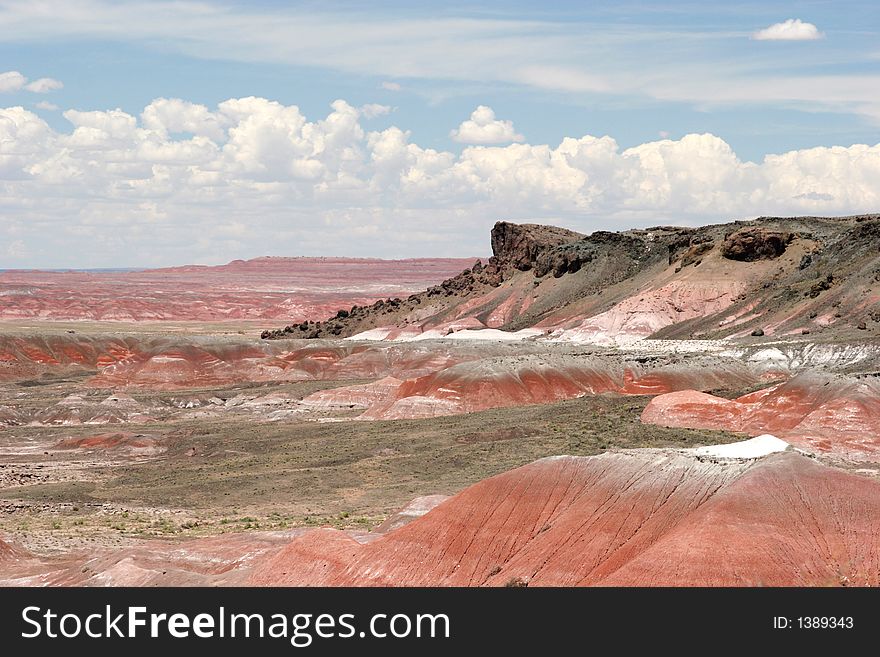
x=668 y=406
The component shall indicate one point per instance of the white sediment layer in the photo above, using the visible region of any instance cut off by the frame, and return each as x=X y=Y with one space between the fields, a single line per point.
x=753 y=448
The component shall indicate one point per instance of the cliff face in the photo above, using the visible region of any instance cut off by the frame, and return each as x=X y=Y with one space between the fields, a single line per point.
x=777 y=275
x=520 y=245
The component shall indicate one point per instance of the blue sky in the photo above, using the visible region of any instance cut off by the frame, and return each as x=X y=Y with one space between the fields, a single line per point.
x=641 y=74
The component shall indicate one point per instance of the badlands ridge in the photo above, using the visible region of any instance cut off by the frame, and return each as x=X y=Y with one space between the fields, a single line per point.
x=762 y=335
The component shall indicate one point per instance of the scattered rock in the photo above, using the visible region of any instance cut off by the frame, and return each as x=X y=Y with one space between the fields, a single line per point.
x=817 y=288
x=692 y=255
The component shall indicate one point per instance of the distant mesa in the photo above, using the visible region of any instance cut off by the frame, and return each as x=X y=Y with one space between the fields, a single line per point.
x=241 y=291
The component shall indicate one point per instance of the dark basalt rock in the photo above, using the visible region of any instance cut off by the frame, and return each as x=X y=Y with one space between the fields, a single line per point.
x=753 y=243
x=519 y=245
x=693 y=255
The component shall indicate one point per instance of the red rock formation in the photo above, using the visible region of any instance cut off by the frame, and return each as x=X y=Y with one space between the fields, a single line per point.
x=181 y=361
x=415 y=509
x=497 y=383
x=213 y=364
x=636 y=517
x=787 y=521
x=218 y=560
x=22 y=357
x=357 y=396
x=119 y=441
x=7 y=552
x=835 y=415
x=651 y=310
x=648 y=517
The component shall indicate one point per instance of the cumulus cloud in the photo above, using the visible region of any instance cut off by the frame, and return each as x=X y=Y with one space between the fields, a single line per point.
x=390 y=86
x=793 y=29
x=12 y=81
x=484 y=128
x=184 y=182
x=46 y=105
x=173 y=115
x=44 y=85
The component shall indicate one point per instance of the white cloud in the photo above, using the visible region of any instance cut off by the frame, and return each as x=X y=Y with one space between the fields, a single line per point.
x=372 y=110
x=11 y=81
x=46 y=105
x=172 y=115
x=44 y=85
x=184 y=182
x=484 y=128
x=607 y=60
x=793 y=29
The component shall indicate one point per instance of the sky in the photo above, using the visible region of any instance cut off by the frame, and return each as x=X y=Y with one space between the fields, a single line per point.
x=157 y=133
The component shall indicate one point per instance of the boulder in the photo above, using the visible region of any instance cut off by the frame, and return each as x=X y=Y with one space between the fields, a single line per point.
x=752 y=243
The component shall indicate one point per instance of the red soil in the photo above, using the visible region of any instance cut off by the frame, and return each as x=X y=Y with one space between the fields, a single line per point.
x=496 y=383
x=213 y=364
x=112 y=441
x=835 y=415
x=219 y=560
x=292 y=289
x=649 y=311
x=6 y=551
x=357 y=396
x=191 y=362
x=639 y=517
x=650 y=517
x=24 y=356
x=788 y=521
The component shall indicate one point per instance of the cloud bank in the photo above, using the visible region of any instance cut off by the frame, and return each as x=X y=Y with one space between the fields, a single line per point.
x=793 y=29
x=186 y=183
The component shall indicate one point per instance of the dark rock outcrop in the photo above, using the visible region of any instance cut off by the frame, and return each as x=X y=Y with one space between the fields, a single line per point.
x=519 y=245
x=831 y=258
x=694 y=254
x=754 y=243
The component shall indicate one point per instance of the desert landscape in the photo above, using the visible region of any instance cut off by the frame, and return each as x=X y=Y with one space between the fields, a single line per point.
x=667 y=406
